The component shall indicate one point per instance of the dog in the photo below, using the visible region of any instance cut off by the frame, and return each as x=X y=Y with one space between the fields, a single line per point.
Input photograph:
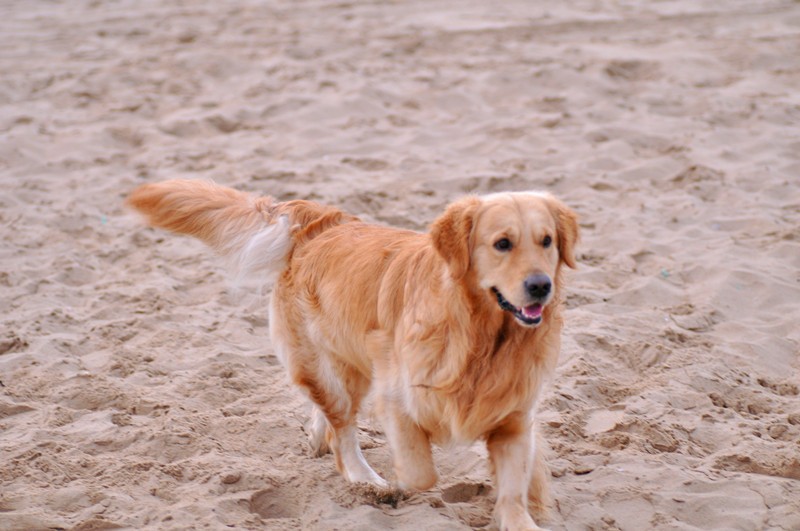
x=455 y=330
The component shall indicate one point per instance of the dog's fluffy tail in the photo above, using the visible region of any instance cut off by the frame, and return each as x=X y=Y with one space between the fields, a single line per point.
x=255 y=234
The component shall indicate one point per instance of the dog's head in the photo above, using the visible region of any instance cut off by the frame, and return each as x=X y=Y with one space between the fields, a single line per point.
x=509 y=245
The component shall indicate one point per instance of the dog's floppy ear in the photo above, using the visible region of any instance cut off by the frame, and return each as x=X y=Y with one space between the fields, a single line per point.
x=567 y=227
x=451 y=234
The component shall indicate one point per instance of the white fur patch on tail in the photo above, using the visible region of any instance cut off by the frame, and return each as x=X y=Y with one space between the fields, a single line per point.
x=263 y=256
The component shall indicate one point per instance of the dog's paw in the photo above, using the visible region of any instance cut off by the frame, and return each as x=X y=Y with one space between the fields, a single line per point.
x=367 y=476
x=514 y=517
x=379 y=494
x=523 y=526
x=357 y=494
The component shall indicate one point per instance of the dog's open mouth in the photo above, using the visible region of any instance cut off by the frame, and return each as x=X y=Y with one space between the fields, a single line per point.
x=529 y=315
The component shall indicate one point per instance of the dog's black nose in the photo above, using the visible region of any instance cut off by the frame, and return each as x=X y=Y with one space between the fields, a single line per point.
x=538 y=286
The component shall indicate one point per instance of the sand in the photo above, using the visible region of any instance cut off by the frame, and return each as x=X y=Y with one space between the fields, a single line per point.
x=139 y=388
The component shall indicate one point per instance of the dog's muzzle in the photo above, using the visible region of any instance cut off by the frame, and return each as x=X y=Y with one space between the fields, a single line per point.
x=529 y=315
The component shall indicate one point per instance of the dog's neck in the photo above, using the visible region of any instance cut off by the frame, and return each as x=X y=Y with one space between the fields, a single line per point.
x=489 y=325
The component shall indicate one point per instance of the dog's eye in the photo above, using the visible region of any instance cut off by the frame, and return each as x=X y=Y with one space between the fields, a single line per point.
x=547 y=242
x=503 y=244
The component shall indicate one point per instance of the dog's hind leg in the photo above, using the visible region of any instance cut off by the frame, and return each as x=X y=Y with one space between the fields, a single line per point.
x=336 y=390
x=334 y=387
x=343 y=435
x=317 y=432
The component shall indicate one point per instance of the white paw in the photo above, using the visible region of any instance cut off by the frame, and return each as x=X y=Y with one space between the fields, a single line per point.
x=367 y=476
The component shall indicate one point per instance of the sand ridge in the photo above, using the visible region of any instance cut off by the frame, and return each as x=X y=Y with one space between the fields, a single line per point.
x=139 y=390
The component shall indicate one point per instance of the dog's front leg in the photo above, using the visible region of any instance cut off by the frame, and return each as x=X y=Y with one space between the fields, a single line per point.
x=411 y=448
x=511 y=457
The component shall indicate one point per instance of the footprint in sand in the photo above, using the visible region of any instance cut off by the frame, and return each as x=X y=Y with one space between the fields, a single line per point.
x=463 y=492
x=277 y=501
x=468 y=503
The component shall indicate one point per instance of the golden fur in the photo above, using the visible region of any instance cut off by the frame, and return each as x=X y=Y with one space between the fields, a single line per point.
x=443 y=325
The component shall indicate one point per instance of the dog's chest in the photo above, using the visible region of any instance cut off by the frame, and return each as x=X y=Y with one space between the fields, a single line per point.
x=471 y=408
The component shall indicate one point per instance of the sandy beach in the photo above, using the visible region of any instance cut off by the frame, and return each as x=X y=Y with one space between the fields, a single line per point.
x=138 y=386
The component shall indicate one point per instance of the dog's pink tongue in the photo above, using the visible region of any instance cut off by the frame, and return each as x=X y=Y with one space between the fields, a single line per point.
x=533 y=311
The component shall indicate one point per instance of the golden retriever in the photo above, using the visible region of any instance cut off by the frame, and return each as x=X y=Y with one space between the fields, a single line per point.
x=455 y=330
